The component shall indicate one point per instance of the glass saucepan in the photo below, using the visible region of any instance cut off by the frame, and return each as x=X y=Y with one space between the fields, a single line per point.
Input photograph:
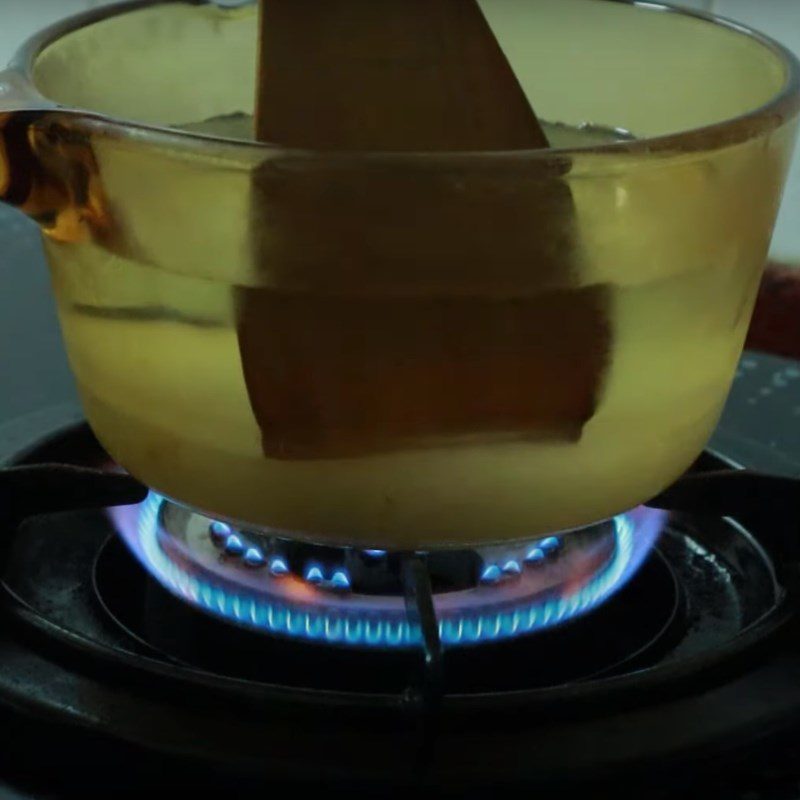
x=403 y=349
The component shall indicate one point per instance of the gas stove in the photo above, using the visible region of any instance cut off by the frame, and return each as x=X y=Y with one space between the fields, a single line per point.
x=658 y=650
x=649 y=640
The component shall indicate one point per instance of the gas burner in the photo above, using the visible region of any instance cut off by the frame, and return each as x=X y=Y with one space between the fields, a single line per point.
x=689 y=647
x=346 y=596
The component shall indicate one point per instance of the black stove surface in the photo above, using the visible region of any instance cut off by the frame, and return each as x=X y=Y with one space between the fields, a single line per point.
x=758 y=430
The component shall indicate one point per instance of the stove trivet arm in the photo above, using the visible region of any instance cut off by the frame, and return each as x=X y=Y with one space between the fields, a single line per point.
x=730 y=492
x=427 y=687
x=421 y=613
x=35 y=489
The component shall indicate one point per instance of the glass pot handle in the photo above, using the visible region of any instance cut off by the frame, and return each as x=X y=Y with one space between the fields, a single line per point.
x=19 y=107
x=47 y=167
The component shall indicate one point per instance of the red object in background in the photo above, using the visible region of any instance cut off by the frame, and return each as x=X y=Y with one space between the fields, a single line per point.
x=776 y=320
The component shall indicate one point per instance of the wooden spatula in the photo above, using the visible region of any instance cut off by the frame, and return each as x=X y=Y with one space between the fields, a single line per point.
x=387 y=75
x=360 y=347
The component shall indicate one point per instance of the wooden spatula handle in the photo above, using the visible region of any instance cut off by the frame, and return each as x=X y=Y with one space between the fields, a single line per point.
x=388 y=75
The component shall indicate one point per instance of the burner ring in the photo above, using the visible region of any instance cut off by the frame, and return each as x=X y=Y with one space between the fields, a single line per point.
x=598 y=560
x=169 y=628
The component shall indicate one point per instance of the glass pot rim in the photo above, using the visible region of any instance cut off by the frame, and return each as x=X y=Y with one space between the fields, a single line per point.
x=19 y=93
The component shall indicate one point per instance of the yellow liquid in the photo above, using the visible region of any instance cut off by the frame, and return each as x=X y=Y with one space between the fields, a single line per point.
x=417 y=350
x=159 y=365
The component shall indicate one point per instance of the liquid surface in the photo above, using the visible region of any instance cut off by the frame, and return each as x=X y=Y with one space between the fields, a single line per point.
x=240 y=126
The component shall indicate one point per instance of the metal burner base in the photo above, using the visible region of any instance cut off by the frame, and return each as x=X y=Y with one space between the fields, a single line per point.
x=174 y=630
x=350 y=597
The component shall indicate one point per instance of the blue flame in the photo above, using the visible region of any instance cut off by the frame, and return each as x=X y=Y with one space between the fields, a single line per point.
x=278 y=566
x=314 y=574
x=535 y=555
x=550 y=543
x=359 y=625
x=220 y=531
x=253 y=557
x=491 y=574
x=340 y=580
x=234 y=546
